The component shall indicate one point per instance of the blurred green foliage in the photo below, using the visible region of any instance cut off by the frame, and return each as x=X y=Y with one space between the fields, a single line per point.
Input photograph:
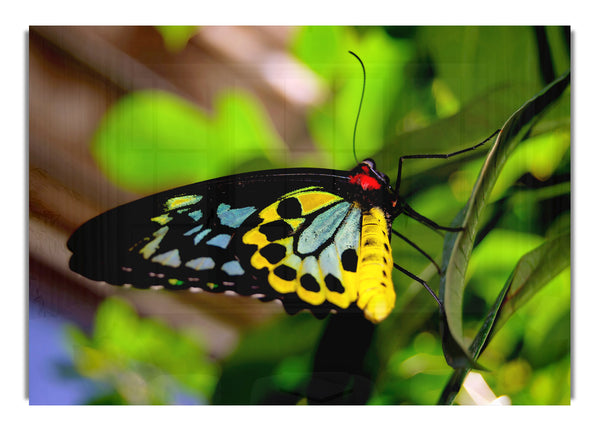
x=272 y=362
x=140 y=361
x=175 y=37
x=332 y=124
x=429 y=90
x=151 y=140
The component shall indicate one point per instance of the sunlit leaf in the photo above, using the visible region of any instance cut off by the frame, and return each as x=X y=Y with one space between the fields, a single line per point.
x=539 y=155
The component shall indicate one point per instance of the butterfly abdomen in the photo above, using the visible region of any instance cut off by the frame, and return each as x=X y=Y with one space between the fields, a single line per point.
x=376 y=296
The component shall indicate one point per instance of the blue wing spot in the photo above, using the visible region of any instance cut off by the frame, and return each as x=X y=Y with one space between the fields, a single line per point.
x=233 y=217
x=201 y=263
x=233 y=268
x=349 y=232
x=196 y=215
x=200 y=236
x=194 y=230
x=322 y=228
x=221 y=240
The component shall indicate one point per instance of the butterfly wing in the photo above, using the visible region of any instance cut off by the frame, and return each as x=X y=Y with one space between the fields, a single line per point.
x=305 y=247
x=287 y=234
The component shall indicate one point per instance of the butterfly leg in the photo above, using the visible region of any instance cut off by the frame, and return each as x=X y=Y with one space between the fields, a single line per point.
x=437 y=156
x=406 y=209
x=425 y=285
x=419 y=249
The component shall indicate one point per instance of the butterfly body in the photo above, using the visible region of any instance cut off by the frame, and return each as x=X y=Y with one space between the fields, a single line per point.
x=313 y=238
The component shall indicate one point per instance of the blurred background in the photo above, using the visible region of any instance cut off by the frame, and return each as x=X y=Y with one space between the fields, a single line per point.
x=116 y=113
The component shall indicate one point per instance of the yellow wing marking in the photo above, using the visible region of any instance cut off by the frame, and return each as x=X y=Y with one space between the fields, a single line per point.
x=150 y=248
x=182 y=201
x=313 y=199
x=376 y=295
x=315 y=268
x=162 y=219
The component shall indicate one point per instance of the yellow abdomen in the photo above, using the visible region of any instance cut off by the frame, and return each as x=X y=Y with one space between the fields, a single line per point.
x=376 y=296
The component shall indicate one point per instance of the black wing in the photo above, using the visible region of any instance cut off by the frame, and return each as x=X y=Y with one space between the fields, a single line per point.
x=189 y=237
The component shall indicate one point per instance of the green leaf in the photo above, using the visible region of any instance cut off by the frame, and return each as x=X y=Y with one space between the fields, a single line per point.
x=533 y=271
x=150 y=140
x=460 y=244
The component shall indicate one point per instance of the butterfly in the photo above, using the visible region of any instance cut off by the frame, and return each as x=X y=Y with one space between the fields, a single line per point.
x=315 y=239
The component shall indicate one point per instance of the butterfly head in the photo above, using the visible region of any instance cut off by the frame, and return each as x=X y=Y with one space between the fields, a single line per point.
x=373 y=182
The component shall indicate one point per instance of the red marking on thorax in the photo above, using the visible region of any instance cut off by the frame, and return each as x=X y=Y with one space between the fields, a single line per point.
x=367 y=182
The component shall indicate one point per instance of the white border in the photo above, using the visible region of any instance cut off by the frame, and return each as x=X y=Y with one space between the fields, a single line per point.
x=585 y=114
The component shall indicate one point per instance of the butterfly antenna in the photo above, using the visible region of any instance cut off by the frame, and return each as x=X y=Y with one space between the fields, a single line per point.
x=359 y=105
